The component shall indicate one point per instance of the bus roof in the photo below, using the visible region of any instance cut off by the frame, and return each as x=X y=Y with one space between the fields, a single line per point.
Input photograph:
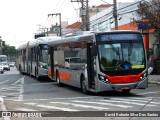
x=3 y=55
x=38 y=41
x=86 y=37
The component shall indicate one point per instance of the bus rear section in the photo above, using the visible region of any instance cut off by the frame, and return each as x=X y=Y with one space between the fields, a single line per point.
x=101 y=61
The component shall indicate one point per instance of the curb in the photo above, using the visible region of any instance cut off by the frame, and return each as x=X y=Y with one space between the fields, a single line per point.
x=154 y=82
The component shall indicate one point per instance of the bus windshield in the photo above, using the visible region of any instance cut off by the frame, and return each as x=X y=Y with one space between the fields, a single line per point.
x=3 y=59
x=121 y=56
x=44 y=53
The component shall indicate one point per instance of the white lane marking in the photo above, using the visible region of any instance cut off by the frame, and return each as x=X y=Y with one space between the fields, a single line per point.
x=143 y=101
x=50 y=83
x=121 y=99
x=21 y=89
x=25 y=109
x=30 y=104
x=146 y=98
x=19 y=80
x=1 y=99
x=158 y=103
x=4 y=81
x=74 y=98
x=11 y=94
x=57 y=108
x=10 y=88
x=149 y=93
x=3 y=96
x=101 y=103
x=80 y=105
x=71 y=98
x=126 y=102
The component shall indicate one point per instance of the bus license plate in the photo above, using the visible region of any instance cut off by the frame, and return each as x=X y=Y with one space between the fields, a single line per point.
x=124 y=88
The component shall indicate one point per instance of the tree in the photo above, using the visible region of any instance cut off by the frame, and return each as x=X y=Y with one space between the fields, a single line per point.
x=10 y=51
x=149 y=12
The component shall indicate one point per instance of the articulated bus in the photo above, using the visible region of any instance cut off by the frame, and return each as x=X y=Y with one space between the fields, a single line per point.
x=100 y=61
x=32 y=57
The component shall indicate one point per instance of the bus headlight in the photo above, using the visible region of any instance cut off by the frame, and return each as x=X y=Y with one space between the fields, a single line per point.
x=102 y=78
x=143 y=77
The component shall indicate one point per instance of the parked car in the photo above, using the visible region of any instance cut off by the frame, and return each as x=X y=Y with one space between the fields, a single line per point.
x=6 y=66
x=12 y=64
x=1 y=68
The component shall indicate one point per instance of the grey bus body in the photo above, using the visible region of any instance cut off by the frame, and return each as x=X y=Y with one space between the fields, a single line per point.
x=100 y=61
x=32 y=57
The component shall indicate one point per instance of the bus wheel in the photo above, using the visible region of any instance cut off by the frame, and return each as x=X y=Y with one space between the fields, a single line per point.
x=20 y=70
x=58 y=80
x=38 y=78
x=126 y=91
x=84 y=86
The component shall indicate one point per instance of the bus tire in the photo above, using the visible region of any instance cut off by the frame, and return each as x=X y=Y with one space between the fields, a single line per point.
x=20 y=70
x=83 y=85
x=58 y=79
x=36 y=75
x=38 y=78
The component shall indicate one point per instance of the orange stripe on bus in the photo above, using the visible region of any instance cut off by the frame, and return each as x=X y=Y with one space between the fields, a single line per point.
x=64 y=76
x=49 y=73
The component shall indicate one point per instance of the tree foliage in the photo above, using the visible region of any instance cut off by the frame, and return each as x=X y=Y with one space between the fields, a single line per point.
x=149 y=11
x=10 y=51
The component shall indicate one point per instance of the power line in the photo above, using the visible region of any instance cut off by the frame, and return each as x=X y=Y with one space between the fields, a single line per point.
x=61 y=6
x=84 y=13
x=77 y=14
x=104 y=1
x=118 y=10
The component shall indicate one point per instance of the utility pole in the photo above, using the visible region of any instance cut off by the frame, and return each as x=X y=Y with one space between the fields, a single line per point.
x=44 y=29
x=57 y=25
x=115 y=14
x=84 y=14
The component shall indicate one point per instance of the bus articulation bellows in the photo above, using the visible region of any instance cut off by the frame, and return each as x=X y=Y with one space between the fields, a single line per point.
x=100 y=61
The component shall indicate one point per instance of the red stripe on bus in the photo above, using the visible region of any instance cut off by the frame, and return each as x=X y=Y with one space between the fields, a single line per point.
x=124 y=79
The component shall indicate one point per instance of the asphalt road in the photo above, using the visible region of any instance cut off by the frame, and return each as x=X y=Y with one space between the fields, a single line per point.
x=24 y=93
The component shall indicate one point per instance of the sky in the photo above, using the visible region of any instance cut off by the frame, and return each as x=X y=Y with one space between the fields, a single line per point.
x=20 y=19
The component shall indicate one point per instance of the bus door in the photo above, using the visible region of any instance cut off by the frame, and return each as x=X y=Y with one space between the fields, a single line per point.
x=23 y=59
x=52 y=61
x=90 y=66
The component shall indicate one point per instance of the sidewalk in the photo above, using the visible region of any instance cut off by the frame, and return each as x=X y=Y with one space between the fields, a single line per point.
x=154 y=79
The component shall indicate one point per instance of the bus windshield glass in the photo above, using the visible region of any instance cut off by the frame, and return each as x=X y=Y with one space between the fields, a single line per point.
x=44 y=53
x=3 y=59
x=121 y=55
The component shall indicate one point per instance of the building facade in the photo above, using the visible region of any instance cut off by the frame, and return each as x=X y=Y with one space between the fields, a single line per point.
x=126 y=15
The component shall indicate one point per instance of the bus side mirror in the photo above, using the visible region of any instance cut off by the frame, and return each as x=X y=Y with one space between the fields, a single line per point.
x=94 y=50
